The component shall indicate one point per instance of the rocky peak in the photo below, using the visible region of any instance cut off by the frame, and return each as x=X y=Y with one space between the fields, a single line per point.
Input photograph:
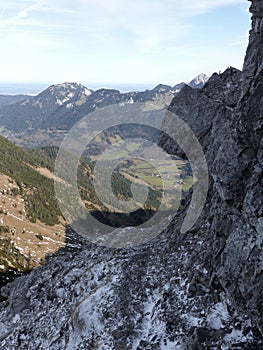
x=199 y=81
x=198 y=107
x=256 y=9
x=224 y=87
x=162 y=88
x=62 y=93
x=179 y=87
x=253 y=64
x=66 y=86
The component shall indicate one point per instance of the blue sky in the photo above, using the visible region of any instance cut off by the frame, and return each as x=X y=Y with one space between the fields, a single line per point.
x=120 y=42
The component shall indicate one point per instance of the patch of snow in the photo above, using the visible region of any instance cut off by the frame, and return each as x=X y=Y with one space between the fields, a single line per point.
x=236 y=336
x=217 y=316
x=88 y=317
x=151 y=323
x=192 y=320
x=16 y=318
x=59 y=102
x=87 y=92
x=201 y=79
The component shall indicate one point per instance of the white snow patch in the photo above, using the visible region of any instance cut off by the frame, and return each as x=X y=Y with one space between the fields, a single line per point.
x=236 y=336
x=16 y=318
x=88 y=317
x=151 y=324
x=87 y=92
x=217 y=316
x=59 y=102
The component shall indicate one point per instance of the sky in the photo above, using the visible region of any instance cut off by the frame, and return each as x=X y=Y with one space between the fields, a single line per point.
x=114 y=43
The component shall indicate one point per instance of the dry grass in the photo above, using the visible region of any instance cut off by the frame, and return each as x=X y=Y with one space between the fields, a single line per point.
x=25 y=235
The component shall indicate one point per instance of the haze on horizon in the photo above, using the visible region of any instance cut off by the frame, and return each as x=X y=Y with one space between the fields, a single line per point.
x=118 y=43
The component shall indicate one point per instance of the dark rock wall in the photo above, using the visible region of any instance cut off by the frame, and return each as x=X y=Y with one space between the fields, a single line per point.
x=228 y=122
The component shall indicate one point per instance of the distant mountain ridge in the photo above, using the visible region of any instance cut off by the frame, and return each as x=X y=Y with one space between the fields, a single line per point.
x=60 y=106
x=9 y=99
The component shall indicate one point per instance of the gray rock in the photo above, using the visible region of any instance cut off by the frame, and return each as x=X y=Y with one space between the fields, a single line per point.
x=231 y=135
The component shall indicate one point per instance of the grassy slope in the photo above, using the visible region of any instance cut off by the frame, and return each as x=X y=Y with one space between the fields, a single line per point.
x=36 y=188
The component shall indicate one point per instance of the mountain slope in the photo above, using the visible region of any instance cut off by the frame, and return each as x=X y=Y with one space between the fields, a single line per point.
x=31 y=112
x=30 y=223
x=9 y=99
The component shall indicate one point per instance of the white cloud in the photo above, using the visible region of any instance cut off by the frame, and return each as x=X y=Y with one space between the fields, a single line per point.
x=98 y=38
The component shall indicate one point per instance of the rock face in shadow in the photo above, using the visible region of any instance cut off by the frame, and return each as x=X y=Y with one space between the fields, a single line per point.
x=201 y=290
x=228 y=121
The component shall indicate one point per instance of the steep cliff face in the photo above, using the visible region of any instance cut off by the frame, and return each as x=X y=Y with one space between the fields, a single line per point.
x=231 y=134
x=201 y=290
x=243 y=276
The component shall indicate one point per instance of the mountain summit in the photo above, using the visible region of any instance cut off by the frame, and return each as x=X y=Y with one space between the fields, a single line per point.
x=199 y=81
x=60 y=94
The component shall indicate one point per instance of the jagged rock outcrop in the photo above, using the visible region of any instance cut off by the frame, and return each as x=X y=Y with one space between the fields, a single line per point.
x=201 y=290
x=231 y=135
x=201 y=109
